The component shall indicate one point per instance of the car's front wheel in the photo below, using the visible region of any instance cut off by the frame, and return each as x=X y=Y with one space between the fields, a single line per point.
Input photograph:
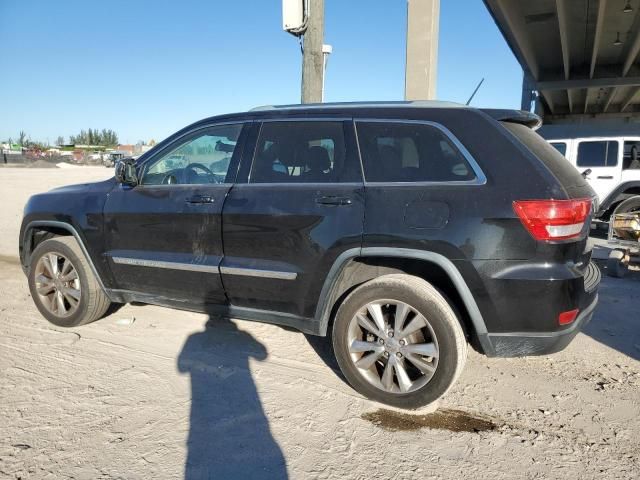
x=62 y=284
x=398 y=341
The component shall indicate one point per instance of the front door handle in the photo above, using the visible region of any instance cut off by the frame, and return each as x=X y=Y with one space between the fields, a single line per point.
x=333 y=200
x=605 y=177
x=200 y=199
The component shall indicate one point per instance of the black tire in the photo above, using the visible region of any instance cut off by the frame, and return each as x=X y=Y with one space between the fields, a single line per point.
x=427 y=301
x=616 y=266
x=93 y=302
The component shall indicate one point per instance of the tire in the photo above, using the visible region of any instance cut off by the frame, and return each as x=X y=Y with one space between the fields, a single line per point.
x=616 y=266
x=442 y=332
x=91 y=302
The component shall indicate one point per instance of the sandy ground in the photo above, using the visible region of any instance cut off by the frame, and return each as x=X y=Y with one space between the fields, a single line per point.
x=149 y=392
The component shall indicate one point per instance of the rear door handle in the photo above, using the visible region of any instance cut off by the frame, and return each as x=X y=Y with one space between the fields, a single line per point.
x=331 y=200
x=200 y=199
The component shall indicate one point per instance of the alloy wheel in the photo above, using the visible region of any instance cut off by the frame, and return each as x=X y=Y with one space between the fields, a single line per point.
x=393 y=346
x=57 y=284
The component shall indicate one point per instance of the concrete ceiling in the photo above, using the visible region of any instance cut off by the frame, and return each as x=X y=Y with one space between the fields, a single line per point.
x=582 y=56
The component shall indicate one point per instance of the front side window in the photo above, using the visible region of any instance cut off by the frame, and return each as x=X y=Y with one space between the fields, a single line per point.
x=601 y=153
x=410 y=152
x=202 y=158
x=301 y=152
x=560 y=147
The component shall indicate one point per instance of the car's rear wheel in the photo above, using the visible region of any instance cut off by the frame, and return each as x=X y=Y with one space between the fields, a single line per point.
x=62 y=285
x=398 y=341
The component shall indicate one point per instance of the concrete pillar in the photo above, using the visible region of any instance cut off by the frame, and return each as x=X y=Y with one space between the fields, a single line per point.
x=528 y=86
x=423 y=18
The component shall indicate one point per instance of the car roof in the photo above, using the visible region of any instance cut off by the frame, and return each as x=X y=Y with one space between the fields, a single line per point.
x=381 y=109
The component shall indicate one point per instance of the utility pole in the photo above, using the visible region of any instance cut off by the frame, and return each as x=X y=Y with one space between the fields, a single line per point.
x=313 y=56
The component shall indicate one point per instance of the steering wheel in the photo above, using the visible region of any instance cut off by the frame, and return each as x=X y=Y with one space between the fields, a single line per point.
x=169 y=179
x=192 y=167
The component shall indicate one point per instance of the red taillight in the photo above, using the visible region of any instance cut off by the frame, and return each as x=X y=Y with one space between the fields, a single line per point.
x=566 y=318
x=553 y=219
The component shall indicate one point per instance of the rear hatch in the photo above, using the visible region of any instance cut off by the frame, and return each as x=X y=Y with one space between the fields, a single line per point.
x=575 y=250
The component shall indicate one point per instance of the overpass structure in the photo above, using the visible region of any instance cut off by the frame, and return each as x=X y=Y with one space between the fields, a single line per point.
x=581 y=58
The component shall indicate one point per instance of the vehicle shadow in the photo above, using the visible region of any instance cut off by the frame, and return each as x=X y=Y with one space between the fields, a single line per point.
x=616 y=322
x=229 y=434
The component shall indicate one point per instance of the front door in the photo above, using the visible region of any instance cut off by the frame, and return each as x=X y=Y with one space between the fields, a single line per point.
x=164 y=235
x=603 y=157
x=300 y=206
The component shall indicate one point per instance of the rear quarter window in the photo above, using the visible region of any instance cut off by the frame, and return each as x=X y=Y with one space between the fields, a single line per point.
x=410 y=152
x=559 y=166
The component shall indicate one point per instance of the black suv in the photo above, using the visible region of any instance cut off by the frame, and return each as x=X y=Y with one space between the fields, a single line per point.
x=404 y=230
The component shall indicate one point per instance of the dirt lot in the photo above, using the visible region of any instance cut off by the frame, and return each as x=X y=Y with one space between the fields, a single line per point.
x=140 y=392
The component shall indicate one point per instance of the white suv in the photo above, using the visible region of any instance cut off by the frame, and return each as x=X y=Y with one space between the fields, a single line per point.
x=611 y=165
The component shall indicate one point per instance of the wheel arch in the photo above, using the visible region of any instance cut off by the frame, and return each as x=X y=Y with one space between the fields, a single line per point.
x=55 y=228
x=622 y=192
x=356 y=266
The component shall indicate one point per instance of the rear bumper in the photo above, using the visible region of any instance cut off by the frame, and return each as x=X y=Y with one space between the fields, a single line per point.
x=519 y=344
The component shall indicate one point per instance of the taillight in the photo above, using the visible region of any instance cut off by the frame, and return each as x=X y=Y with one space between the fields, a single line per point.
x=553 y=219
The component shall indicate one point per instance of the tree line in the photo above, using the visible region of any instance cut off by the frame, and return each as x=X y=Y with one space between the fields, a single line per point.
x=104 y=137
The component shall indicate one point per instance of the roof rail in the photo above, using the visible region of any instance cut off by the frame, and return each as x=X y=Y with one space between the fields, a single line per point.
x=399 y=103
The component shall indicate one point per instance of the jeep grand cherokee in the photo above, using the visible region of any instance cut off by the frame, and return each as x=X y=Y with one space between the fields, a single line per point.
x=405 y=231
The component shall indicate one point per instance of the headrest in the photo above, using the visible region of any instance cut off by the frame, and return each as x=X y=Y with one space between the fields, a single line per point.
x=318 y=159
x=390 y=157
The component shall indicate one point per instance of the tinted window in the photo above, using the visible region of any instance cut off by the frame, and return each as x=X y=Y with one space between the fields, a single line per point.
x=598 y=154
x=202 y=158
x=549 y=156
x=560 y=147
x=410 y=152
x=301 y=152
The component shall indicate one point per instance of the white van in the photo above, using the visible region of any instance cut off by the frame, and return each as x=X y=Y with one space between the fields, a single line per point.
x=611 y=164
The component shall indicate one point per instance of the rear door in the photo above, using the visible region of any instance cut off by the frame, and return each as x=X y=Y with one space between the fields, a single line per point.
x=297 y=205
x=603 y=156
x=164 y=235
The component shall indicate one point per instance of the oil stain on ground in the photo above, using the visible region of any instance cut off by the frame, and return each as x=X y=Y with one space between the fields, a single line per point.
x=442 y=419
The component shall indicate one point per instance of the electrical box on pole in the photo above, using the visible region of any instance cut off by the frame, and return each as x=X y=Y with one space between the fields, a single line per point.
x=294 y=16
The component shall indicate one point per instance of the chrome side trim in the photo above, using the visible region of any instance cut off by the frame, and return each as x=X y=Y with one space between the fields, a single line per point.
x=254 y=272
x=76 y=235
x=190 y=267
x=480 y=179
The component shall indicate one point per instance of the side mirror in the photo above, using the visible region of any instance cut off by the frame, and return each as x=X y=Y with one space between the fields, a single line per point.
x=586 y=173
x=126 y=171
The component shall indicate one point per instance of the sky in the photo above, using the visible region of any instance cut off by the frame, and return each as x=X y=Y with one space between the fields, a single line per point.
x=146 y=68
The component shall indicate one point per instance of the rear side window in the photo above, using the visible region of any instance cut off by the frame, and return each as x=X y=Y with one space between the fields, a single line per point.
x=598 y=154
x=410 y=152
x=559 y=166
x=561 y=147
x=302 y=152
x=631 y=158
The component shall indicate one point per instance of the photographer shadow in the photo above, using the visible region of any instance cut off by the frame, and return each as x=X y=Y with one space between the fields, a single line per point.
x=229 y=434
